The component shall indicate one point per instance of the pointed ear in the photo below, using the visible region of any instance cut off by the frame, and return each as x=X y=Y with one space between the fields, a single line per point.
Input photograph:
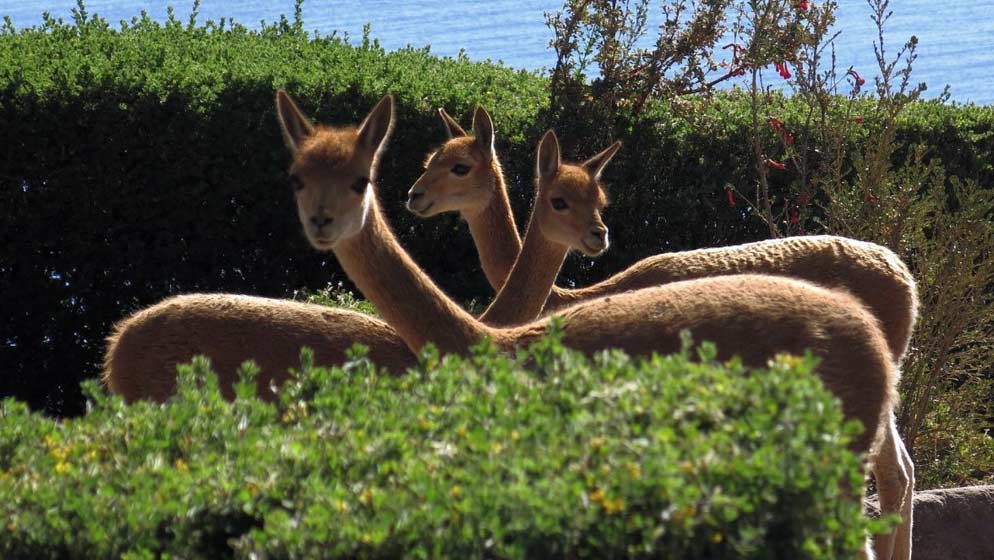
x=483 y=129
x=548 y=160
x=452 y=127
x=294 y=124
x=596 y=164
x=376 y=127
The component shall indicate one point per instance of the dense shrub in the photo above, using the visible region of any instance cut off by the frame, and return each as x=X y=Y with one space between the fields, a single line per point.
x=563 y=457
x=146 y=161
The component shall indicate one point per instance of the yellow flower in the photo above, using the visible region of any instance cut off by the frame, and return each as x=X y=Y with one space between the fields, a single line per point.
x=614 y=506
x=366 y=497
x=597 y=496
x=462 y=431
x=342 y=506
x=62 y=467
x=181 y=466
x=456 y=491
x=496 y=448
x=423 y=423
x=634 y=471
x=435 y=410
x=597 y=443
x=717 y=538
x=515 y=436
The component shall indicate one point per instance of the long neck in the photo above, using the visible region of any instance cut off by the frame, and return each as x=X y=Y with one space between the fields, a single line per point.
x=494 y=234
x=532 y=277
x=406 y=298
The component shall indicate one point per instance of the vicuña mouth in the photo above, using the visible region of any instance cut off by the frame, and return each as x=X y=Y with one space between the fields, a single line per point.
x=424 y=210
x=591 y=251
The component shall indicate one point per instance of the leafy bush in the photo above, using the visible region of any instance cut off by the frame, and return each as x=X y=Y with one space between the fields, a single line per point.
x=543 y=455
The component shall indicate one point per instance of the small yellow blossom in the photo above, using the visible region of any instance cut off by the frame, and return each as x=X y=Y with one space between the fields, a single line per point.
x=423 y=423
x=62 y=467
x=717 y=538
x=634 y=471
x=456 y=491
x=597 y=443
x=366 y=497
x=515 y=436
x=181 y=466
x=614 y=506
x=342 y=506
x=435 y=410
x=496 y=448
x=605 y=469
x=462 y=431
x=597 y=496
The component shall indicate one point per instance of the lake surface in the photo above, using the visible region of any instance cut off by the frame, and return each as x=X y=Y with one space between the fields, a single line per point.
x=956 y=38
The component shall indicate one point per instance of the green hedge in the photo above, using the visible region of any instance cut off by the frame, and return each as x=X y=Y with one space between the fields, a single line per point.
x=544 y=455
x=146 y=161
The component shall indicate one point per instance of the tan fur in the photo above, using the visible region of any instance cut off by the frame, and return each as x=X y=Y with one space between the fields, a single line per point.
x=144 y=349
x=754 y=316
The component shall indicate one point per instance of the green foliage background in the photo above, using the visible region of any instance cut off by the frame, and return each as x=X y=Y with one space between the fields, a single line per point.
x=146 y=161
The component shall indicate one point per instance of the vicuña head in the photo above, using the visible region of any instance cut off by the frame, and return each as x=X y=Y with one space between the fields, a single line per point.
x=332 y=169
x=461 y=175
x=569 y=198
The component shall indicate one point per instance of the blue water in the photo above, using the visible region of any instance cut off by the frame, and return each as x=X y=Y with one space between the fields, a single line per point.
x=956 y=38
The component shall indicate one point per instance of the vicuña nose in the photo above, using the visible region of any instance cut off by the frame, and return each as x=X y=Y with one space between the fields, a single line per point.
x=413 y=195
x=600 y=232
x=321 y=220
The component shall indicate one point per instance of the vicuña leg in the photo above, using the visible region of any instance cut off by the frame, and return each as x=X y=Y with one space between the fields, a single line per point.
x=894 y=474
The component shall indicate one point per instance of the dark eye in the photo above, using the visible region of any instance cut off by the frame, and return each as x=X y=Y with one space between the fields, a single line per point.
x=460 y=169
x=296 y=183
x=559 y=204
x=359 y=186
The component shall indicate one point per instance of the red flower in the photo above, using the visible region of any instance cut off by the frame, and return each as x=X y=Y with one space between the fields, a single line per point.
x=731 y=196
x=794 y=217
x=737 y=68
x=803 y=5
x=856 y=77
x=857 y=119
x=782 y=70
x=776 y=164
x=803 y=199
x=870 y=197
x=778 y=126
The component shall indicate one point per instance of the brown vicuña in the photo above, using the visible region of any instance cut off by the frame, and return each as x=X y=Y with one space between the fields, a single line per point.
x=142 y=352
x=753 y=316
x=464 y=175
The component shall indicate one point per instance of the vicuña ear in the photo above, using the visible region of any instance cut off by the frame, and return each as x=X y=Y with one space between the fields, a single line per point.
x=483 y=129
x=452 y=127
x=596 y=164
x=294 y=124
x=548 y=160
x=376 y=126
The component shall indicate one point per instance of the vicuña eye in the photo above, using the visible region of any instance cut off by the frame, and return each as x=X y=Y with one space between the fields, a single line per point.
x=296 y=184
x=359 y=186
x=559 y=204
x=460 y=169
